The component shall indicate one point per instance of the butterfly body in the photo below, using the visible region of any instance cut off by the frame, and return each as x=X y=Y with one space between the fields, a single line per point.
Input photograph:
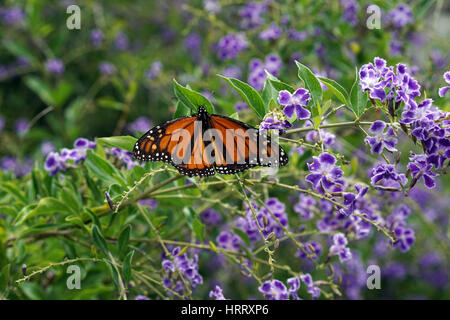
x=203 y=144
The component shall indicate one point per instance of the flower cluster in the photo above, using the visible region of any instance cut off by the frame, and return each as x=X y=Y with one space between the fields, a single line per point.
x=385 y=175
x=230 y=45
x=124 y=157
x=257 y=75
x=401 y=16
x=312 y=288
x=217 y=293
x=276 y=290
x=267 y=217
x=271 y=33
x=339 y=247
x=382 y=82
x=188 y=267
x=273 y=121
x=251 y=15
x=59 y=161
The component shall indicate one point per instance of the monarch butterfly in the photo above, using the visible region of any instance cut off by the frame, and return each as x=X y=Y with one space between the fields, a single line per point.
x=203 y=144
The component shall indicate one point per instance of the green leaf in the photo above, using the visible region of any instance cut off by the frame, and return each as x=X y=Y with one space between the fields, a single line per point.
x=126 y=266
x=181 y=110
x=102 y=169
x=36 y=85
x=114 y=274
x=338 y=91
x=278 y=84
x=98 y=239
x=110 y=103
x=11 y=188
x=191 y=98
x=199 y=229
x=45 y=206
x=124 y=239
x=121 y=142
x=358 y=98
x=250 y=95
x=61 y=93
x=17 y=49
x=313 y=85
x=244 y=236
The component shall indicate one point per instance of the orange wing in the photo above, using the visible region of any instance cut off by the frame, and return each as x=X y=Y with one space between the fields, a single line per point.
x=178 y=142
x=244 y=147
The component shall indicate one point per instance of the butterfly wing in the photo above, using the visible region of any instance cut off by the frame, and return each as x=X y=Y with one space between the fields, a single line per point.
x=178 y=142
x=243 y=147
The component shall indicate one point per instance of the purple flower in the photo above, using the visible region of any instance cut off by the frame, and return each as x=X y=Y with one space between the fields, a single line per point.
x=230 y=45
x=211 y=6
x=440 y=153
x=168 y=266
x=47 y=147
x=311 y=250
x=187 y=266
x=350 y=10
x=350 y=199
x=2 y=124
x=229 y=241
x=125 y=158
x=375 y=78
x=211 y=217
x=52 y=163
x=274 y=290
x=271 y=33
x=141 y=124
x=21 y=126
x=312 y=289
x=106 y=68
x=273 y=123
x=421 y=168
x=386 y=175
x=12 y=16
x=294 y=286
x=405 y=238
x=401 y=16
x=232 y=72
x=381 y=139
x=141 y=297
x=443 y=90
x=295 y=102
x=298 y=36
x=251 y=15
x=325 y=174
x=217 y=293
x=150 y=203
x=154 y=70
x=54 y=66
x=82 y=143
x=265 y=220
x=339 y=247
x=305 y=206
x=8 y=163
x=193 y=42
x=96 y=37
x=241 y=106
x=273 y=64
x=121 y=42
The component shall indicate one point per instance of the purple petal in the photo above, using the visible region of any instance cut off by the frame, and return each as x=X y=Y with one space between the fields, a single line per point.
x=313 y=178
x=377 y=127
x=289 y=111
x=284 y=97
x=302 y=113
x=443 y=91
x=327 y=158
